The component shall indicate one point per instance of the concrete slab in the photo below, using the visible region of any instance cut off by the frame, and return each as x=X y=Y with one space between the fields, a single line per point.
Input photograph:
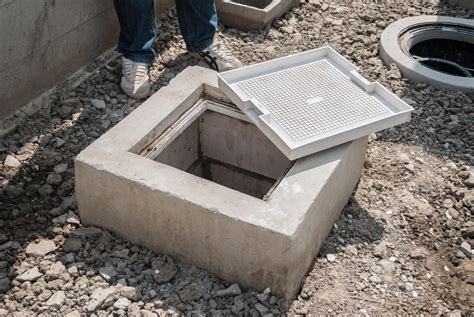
x=252 y=14
x=255 y=242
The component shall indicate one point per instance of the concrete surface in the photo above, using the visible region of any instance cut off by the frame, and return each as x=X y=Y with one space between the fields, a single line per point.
x=44 y=41
x=227 y=151
x=254 y=242
x=252 y=14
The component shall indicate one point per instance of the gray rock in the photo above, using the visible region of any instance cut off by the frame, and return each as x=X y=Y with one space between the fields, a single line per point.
x=98 y=297
x=238 y=305
x=58 y=142
x=45 y=190
x=261 y=308
x=40 y=249
x=30 y=275
x=129 y=292
x=466 y=249
x=191 y=292
x=54 y=179
x=72 y=218
x=56 y=300
x=98 y=104
x=232 y=290
x=60 y=220
x=14 y=190
x=331 y=257
x=122 y=303
x=61 y=168
x=72 y=245
x=10 y=245
x=108 y=273
x=4 y=284
x=164 y=271
x=264 y=296
x=69 y=258
x=45 y=295
x=122 y=282
x=122 y=253
x=3 y=238
x=56 y=211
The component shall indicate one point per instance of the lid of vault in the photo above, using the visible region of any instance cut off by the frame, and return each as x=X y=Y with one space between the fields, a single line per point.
x=309 y=102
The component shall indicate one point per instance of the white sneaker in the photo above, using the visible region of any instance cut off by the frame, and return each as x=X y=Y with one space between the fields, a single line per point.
x=218 y=57
x=135 y=81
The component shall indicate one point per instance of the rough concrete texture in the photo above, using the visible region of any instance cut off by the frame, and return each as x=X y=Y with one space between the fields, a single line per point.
x=243 y=239
x=227 y=151
x=45 y=41
x=252 y=14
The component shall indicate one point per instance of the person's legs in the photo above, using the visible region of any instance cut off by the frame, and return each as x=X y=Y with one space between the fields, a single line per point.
x=198 y=24
x=137 y=29
x=137 y=37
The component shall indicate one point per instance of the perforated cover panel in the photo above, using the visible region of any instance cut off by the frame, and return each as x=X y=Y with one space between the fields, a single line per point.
x=312 y=99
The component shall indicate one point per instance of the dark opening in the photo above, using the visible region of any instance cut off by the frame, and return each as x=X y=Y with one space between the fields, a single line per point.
x=229 y=152
x=260 y=4
x=446 y=56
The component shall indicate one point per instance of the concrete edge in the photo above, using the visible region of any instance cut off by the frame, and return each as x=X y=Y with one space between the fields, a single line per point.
x=391 y=52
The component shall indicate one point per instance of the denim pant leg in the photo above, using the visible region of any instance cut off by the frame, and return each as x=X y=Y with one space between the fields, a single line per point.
x=137 y=29
x=198 y=22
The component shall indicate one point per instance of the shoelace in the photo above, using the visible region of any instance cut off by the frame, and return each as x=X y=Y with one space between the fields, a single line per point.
x=219 y=50
x=136 y=72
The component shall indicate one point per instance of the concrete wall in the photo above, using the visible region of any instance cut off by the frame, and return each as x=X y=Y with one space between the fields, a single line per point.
x=44 y=41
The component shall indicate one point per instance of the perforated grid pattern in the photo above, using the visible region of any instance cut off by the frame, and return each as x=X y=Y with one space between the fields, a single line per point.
x=312 y=99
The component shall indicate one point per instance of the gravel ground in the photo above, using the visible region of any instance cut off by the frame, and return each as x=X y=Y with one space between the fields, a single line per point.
x=402 y=245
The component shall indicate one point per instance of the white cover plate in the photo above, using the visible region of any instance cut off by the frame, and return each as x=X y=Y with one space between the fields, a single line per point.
x=312 y=101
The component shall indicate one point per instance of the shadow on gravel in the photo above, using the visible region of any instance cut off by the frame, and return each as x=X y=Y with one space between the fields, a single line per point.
x=441 y=123
x=355 y=226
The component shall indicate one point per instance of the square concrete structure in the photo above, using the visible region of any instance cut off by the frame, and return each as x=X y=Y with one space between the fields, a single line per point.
x=252 y=14
x=187 y=174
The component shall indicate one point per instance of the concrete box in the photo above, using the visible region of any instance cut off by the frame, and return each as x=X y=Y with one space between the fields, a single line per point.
x=186 y=174
x=252 y=14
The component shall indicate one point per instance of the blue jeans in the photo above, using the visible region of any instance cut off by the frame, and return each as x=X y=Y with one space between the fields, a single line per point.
x=197 y=21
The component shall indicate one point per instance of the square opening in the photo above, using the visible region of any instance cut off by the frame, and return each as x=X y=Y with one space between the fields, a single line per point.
x=218 y=144
x=260 y=4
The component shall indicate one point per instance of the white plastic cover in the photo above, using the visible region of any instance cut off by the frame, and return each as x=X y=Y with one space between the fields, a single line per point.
x=312 y=101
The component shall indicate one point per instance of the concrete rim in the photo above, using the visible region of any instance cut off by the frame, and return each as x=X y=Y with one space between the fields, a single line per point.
x=393 y=51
